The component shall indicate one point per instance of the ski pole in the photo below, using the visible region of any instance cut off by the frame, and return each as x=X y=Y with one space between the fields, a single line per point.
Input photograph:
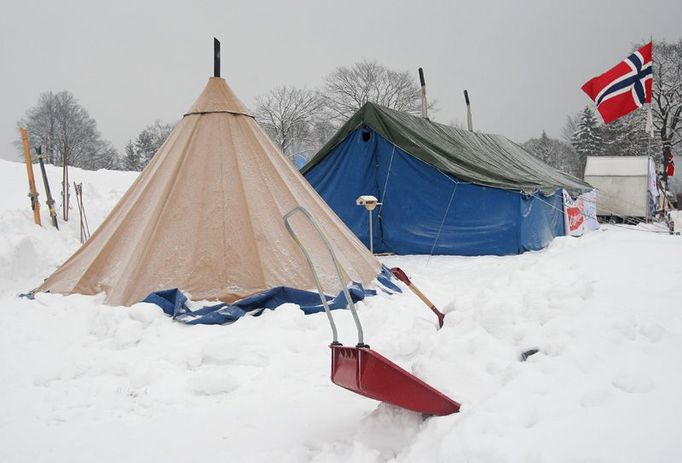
x=402 y=276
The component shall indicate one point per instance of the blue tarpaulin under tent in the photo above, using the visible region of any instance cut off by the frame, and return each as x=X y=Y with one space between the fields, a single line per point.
x=174 y=303
x=442 y=190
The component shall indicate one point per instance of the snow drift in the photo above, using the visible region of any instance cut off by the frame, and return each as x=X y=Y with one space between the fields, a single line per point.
x=82 y=381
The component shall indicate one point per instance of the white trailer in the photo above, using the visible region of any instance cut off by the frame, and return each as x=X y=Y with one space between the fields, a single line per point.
x=624 y=184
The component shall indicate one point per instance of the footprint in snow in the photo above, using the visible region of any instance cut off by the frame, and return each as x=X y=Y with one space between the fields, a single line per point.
x=224 y=353
x=212 y=383
x=128 y=333
x=651 y=330
x=632 y=382
x=594 y=398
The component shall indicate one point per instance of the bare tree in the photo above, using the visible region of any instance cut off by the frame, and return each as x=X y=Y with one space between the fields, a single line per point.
x=569 y=129
x=348 y=88
x=67 y=132
x=667 y=96
x=288 y=115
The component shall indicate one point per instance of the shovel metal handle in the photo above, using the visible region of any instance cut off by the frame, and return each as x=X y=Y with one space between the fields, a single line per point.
x=337 y=266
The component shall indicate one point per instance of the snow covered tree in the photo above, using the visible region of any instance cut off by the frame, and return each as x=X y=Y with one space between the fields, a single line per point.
x=667 y=95
x=66 y=132
x=288 y=115
x=545 y=148
x=348 y=88
x=587 y=140
x=140 y=151
x=556 y=153
x=131 y=159
x=626 y=136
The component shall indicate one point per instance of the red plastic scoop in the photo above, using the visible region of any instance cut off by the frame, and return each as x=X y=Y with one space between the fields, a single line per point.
x=368 y=373
x=360 y=369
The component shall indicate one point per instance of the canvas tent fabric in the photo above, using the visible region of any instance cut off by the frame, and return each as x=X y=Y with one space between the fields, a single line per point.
x=443 y=190
x=482 y=159
x=205 y=216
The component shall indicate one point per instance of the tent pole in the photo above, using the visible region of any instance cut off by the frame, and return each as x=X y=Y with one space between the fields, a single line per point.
x=371 y=233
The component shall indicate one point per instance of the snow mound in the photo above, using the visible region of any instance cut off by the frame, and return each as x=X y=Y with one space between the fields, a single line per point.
x=83 y=381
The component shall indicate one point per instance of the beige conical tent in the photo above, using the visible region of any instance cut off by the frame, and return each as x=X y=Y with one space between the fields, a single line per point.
x=205 y=216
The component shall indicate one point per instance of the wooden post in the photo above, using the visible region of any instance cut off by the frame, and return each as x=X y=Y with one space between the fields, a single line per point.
x=32 y=192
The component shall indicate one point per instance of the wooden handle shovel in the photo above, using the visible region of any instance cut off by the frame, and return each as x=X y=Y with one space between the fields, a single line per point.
x=400 y=275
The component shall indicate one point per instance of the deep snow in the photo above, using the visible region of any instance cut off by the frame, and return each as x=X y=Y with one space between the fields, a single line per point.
x=85 y=382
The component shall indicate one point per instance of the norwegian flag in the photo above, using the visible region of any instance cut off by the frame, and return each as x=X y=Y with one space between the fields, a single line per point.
x=623 y=88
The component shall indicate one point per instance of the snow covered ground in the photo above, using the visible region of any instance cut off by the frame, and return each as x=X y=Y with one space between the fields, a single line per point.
x=83 y=382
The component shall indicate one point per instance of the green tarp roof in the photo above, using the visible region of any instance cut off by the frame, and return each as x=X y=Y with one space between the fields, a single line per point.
x=491 y=160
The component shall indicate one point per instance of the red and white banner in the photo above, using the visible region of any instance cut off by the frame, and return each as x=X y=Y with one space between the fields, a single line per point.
x=580 y=214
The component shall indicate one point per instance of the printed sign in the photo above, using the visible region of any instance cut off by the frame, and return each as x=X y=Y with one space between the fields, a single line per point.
x=580 y=215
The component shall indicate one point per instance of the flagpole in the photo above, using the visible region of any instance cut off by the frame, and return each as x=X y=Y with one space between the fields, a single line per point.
x=665 y=153
x=650 y=129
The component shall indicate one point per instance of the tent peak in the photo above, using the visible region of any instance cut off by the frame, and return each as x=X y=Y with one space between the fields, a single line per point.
x=218 y=97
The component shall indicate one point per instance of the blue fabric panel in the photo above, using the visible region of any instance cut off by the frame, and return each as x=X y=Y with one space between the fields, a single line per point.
x=174 y=303
x=348 y=173
x=480 y=220
x=542 y=219
x=416 y=219
x=413 y=220
x=385 y=280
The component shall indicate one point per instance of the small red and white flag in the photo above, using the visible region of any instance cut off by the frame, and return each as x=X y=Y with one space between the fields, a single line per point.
x=623 y=88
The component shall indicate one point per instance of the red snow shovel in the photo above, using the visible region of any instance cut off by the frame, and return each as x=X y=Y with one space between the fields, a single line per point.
x=366 y=372
x=362 y=370
x=400 y=275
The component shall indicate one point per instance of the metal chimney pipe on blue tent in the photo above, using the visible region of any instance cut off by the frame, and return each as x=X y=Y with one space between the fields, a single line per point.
x=470 y=124
x=423 y=94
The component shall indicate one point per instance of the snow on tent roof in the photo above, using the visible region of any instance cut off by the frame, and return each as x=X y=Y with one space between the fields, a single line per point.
x=617 y=166
x=483 y=159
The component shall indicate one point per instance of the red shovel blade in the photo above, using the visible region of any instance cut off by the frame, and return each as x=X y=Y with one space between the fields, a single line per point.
x=368 y=373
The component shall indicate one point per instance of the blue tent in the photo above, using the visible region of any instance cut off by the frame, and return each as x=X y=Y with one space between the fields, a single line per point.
x=443 y=190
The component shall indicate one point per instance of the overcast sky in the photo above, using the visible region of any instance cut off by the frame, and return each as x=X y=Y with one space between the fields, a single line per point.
x=132 y=62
